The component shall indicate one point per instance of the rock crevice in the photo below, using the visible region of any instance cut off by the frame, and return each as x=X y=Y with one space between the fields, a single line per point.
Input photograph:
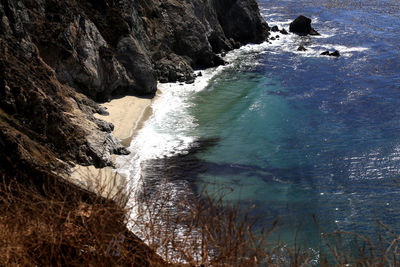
x=57 y=57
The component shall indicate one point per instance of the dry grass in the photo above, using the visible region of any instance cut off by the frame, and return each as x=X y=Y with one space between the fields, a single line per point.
x=61 y=226
x=204 y=230
x=199 y=231
x=362 y=251
x=58 y=225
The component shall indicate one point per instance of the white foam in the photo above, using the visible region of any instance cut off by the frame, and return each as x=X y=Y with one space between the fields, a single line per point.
x=171 y=128
x=290 y=42
x=168 y=131
x=346 y=49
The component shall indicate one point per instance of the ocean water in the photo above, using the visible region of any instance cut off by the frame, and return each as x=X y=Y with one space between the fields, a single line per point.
x=295 y=133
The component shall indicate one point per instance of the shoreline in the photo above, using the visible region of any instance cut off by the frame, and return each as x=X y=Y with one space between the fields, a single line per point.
x=128 y=115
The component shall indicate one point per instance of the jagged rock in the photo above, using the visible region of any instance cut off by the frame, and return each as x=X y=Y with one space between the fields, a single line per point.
x=302 y=26
x=56 y=57
x=138 y=65
x=188 y=35
x=301 y=48
x=101 y=146
x=102 y=111
x=333 y=54
x=275 y=29
x=103 y=125
x=249 y=26
x=272 y=38
x=89 y=63
x=283 y=31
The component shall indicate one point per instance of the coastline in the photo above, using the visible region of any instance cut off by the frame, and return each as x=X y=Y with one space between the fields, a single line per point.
x=127 y=114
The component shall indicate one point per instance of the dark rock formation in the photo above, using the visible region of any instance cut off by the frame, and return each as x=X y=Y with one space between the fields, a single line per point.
x=57 y=56
x=283 y=31
x=301 y=48
x=302 y=26
x=275 y=29
x=333 y=54
x=185 y=35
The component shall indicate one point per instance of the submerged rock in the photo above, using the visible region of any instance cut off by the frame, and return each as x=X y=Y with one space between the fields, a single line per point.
x=302 y=26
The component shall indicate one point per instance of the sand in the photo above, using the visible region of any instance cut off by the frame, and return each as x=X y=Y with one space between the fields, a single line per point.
x=103 y=181
x=128 y=114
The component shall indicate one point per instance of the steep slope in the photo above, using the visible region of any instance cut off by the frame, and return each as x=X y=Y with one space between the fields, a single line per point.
x=57 y=57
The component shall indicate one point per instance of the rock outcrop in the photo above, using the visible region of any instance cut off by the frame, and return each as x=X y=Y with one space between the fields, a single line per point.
x=57 y=57
x=301 y=48
x=302 y=26
x=186 y=35
x=332 y=54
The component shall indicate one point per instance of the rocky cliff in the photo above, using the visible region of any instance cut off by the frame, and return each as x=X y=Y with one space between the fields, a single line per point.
x=57 y=57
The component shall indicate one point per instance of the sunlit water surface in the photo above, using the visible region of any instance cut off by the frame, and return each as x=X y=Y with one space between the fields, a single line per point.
x=296 y=133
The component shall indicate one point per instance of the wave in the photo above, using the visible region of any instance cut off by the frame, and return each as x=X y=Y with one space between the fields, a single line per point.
x=171 y=129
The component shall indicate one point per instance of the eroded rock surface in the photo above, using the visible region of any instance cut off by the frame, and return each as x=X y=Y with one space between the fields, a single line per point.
x=59 y=56
x=302 y=26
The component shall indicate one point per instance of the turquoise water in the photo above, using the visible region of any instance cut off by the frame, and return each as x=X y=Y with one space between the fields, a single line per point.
x=297 y=134
x=301 y=134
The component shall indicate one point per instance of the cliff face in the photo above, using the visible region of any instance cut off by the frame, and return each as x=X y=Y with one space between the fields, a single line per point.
x=57 y=56
x=183 y=35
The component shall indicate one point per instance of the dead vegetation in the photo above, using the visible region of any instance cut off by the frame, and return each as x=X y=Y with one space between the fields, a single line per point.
x=58 y=225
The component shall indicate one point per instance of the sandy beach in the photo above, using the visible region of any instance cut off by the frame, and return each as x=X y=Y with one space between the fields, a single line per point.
x=128 y=114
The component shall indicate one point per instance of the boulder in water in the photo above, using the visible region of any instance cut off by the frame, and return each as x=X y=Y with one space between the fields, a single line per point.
x=302 y=26
x=283 y=31
x=275 y=29
x=301 y=48
x=333 y=54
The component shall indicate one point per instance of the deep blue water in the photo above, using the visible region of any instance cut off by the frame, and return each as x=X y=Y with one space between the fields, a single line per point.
x=295 y=133
x=302 y=134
